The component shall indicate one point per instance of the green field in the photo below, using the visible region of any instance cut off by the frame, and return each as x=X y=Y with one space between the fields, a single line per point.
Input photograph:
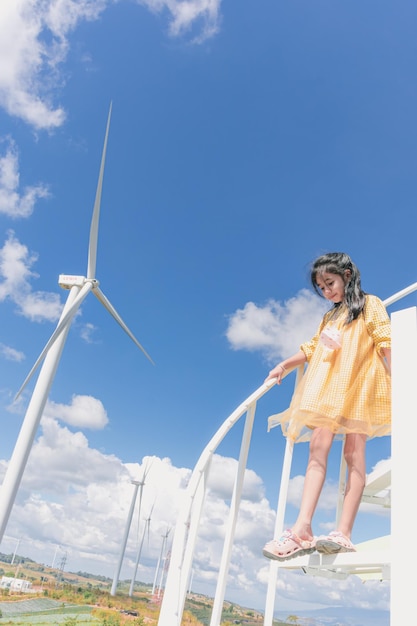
x=44 y=611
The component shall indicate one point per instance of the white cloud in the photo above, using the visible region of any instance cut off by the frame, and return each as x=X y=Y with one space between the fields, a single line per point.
x=34 y=45
x=276 y=329
x=87 y=332
x=222 y=477
x=12 y=202
x=62 y=461
x=188 y=13
x=15 y=275
x=25 y=61
x=328 y=496
x=83 y=412
x=11 y=354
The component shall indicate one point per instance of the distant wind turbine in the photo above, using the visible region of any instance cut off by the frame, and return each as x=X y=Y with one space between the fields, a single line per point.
x=15 y=550
x=146 y=530
x=79 y=287
x=164 y=541
x=167 y=559
x=138 y=484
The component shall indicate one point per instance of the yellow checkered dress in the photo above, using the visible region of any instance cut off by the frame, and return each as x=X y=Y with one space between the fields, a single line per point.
x=347 y=390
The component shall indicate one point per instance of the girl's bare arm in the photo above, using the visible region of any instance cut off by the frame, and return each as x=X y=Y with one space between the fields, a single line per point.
x=285 y=366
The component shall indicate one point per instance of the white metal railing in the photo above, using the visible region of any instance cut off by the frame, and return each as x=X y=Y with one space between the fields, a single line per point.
x=189 y=516
x=187 y=525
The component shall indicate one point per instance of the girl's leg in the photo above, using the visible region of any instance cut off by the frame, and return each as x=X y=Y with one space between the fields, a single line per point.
x=354 y=452
x=320 y=444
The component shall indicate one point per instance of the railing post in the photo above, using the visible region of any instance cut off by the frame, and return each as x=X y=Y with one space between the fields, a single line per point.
x=193 y=526
x=279 y=525
x=185 y=534
x=216 y=614
x=280 y=518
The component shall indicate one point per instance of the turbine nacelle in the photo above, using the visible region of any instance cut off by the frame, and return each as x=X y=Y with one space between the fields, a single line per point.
x=67 y=281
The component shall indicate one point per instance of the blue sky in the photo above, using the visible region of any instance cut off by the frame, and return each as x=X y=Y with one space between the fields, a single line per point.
x=245 y=140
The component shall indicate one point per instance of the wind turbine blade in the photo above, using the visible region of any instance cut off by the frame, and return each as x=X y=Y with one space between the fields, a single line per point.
x=100 y=296
x=146 y=470
x=63 y=323
x=92 y=248
x=148 y=521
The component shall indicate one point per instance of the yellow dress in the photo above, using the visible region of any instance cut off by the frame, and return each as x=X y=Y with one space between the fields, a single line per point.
x=348 y=389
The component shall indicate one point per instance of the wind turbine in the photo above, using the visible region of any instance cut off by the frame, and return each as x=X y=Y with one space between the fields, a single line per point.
x=138 y=484
x=146 y=528
x=167 y=559
x=79 y=287
x=164 y=541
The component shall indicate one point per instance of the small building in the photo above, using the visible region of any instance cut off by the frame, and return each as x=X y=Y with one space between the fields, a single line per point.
x=15 y=584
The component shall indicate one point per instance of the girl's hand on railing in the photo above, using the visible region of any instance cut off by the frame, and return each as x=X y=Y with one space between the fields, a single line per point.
x=278 y=372
x=286 y=366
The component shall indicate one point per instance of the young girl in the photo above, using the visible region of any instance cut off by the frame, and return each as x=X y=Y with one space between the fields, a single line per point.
x=345 y=390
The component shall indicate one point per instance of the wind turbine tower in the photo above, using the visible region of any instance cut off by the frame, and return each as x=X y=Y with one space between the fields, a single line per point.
x=137 y=484
x=164 y=541
x=79 y=287
x=146 y=528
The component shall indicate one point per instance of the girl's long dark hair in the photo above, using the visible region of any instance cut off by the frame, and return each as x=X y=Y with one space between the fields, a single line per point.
x=338 y=263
